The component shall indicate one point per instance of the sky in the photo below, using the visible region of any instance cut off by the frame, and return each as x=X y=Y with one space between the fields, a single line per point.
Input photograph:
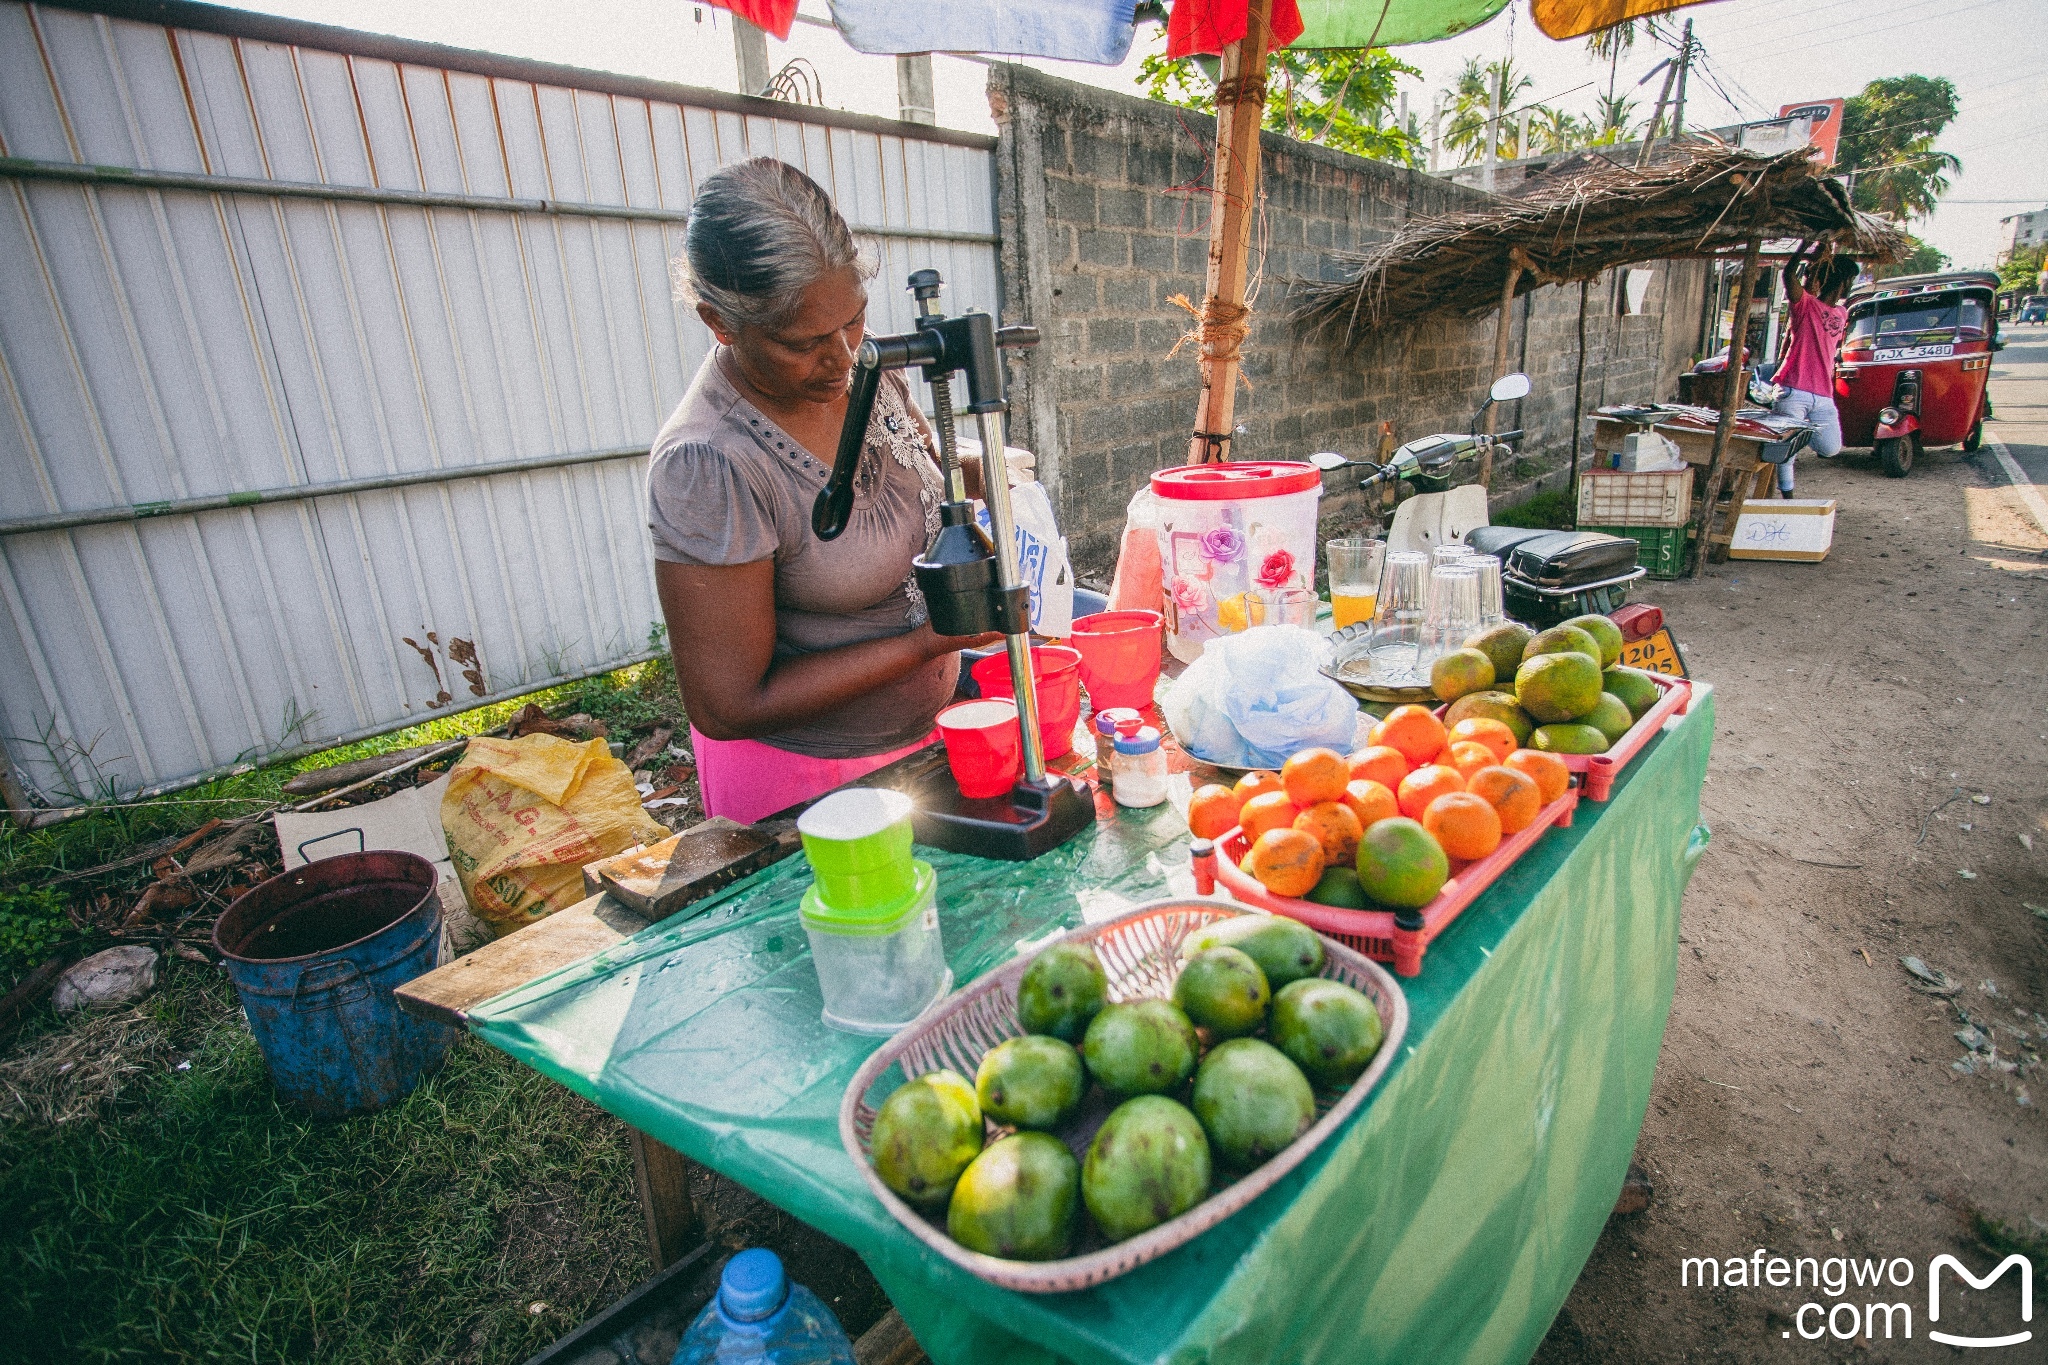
x=1760 y=56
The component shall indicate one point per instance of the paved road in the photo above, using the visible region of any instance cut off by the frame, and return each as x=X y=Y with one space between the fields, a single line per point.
x=2019 y=398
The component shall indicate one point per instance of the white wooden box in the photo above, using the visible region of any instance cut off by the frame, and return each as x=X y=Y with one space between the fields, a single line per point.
x=1790 y=528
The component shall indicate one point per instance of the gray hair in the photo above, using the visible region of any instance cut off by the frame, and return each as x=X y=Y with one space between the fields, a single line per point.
x=759 y=234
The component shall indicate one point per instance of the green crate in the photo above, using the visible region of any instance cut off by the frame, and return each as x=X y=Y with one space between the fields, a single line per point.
x=1660 y=549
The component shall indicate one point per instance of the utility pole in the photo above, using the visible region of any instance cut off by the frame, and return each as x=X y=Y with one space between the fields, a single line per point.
x=1492 y=135
x=1663 y=99
x=1684 y=65
x=750 y=48
x=1436 y=131
x=914 y=88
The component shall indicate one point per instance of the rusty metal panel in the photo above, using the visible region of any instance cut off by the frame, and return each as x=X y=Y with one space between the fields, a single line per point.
x=163 y=341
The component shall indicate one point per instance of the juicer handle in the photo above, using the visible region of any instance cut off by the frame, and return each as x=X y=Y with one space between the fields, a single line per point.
x=829 y=514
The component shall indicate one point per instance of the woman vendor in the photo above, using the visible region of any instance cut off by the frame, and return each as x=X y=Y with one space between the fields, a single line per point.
x=803 y=663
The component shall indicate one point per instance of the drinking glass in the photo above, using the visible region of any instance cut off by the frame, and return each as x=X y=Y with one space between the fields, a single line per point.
x=1398 y=618
x=1448 y=552
x=1355 y=565
x=1492 y=607
x=1453 y=611
x=1284 y=607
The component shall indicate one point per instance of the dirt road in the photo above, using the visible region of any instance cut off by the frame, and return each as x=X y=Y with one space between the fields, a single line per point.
x=1808 y=1100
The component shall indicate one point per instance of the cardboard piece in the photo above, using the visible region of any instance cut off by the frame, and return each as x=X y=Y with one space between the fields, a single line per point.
x=1798 y=529
x=408 y=821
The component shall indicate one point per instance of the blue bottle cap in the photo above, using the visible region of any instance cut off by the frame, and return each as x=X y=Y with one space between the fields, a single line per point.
x=752 y=1286
x=1144 y=742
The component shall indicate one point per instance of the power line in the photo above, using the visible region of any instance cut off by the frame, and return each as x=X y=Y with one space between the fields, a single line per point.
x=1779 y=40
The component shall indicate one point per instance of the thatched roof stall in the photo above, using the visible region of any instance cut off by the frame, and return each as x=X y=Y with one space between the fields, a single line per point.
x=1588 y=215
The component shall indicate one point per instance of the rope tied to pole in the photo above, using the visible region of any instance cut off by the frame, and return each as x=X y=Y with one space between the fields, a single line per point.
x=1241 y=90
x=1219 y=331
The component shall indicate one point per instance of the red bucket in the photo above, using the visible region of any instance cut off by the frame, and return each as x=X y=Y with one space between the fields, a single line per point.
x=1057 y=670
x=1119 y=657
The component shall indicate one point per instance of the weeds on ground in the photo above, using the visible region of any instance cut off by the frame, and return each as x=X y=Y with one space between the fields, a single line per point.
x=185 y=1214
x=1548 y=510
x=2002 y=1239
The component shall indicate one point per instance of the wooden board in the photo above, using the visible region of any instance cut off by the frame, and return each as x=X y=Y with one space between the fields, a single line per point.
x=447 y=993
x=662 y=878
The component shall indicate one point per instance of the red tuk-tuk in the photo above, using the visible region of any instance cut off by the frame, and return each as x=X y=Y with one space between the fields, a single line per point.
x=1914 y=364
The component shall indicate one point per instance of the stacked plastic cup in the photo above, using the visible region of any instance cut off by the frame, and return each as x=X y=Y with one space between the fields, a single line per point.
x=872 y=915
x=1398 y=618
x=1453 y=610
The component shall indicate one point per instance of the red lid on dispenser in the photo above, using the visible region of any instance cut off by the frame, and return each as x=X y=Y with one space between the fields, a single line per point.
x=1236 y=479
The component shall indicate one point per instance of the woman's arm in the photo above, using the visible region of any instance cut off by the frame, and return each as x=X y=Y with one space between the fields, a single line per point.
x=721 y=632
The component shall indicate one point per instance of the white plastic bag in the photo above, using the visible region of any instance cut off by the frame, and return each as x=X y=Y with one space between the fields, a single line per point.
x=1254 y=698
x=1041 y=559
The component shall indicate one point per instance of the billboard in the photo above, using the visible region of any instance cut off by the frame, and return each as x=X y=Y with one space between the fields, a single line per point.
x=1826 y=116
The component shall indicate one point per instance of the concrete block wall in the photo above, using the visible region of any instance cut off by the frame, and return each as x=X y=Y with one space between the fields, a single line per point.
x=1104 y=209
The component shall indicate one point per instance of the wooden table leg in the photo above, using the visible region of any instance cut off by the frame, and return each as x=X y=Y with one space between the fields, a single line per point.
x=662 y=1176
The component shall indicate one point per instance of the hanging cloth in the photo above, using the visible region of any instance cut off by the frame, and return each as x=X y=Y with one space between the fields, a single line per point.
x=1390 y=23
x=1070 y=30
x=1562 y=19
x=775 y=16
x=1197 y=26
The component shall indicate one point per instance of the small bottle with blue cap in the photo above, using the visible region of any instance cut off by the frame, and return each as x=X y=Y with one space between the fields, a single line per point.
x=759 y=1318
x=1140 y=767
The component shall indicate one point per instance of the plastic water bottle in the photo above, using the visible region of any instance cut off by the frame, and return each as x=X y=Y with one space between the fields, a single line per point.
x=759 y=1316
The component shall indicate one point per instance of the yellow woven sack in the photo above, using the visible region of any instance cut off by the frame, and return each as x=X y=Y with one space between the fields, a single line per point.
x=524 y=815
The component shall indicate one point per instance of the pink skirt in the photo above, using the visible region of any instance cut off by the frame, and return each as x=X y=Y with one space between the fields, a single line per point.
x=744 y=779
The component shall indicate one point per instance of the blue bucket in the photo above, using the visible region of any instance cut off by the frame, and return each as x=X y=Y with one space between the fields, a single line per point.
x=315 y=953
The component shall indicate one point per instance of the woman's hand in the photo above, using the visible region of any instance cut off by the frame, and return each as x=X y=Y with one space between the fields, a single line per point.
x=950 y=644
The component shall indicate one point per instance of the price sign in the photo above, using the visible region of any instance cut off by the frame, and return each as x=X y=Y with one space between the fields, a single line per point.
x=1657 y=652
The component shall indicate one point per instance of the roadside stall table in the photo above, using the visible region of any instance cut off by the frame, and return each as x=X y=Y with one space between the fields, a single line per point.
x=1750 y=441
x=1447 y=1222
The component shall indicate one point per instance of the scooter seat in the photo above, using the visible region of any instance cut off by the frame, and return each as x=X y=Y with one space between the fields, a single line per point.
x=1555 y=559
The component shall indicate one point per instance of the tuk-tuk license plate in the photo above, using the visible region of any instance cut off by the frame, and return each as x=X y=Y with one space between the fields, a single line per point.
x=1657 y=652
x=1916 y=352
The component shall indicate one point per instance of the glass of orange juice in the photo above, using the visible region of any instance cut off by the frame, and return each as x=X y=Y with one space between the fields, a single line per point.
x=1355 y=564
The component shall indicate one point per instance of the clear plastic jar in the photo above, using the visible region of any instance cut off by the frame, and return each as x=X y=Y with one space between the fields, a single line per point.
x=1140 y=769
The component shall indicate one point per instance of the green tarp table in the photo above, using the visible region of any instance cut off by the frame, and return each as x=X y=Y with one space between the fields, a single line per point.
x=1446 y=1222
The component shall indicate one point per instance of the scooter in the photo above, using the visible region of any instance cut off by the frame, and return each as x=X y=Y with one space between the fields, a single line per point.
x=1439 y=510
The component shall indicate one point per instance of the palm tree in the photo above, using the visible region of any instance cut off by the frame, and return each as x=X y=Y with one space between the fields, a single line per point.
x=1554 y=130
x=1471 y=100
x=1610 y=124
x=1909 y=187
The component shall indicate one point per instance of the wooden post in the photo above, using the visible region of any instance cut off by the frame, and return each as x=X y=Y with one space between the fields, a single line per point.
x=662 y=1176
x=1234 y=201
x=1503 y=330
x=1578 y=402
x=1734 y=386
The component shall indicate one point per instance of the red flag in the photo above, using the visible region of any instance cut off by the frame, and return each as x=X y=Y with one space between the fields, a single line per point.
x=1211 y=25
x=777 y=15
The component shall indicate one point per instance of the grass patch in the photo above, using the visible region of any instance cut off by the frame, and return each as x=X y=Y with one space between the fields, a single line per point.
x=2003 y=1240
x=187 y=1215
x=1549 y=510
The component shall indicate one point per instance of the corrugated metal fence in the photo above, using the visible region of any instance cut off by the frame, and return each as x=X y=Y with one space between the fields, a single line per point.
x=330 y=362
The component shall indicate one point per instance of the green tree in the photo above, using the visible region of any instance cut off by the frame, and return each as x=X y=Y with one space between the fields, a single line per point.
x=1610 y=121
x=1342 y=98
x=1922 y=260
x=1471 y=98
x=1887 y=146
x=2022 y=269
x=1554 y=130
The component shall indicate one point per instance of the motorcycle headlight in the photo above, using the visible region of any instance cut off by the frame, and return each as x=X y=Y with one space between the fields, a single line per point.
x=1888 y=417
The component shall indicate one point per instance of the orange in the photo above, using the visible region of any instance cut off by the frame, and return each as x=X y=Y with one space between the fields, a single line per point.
x=1464 y=824
x=1425 y=785
x=1336 y=827
x=1400 y=865
x=1315 y=775
x=1550 y=772
x=1381 y=764
x=1287 y=862
x=1371 y=802
x=1513 y=796
x=1414 y=730
x=1485 y=730
x=1212 y=811
x=1257 y=782
x=1469 y=756
x=1270 y=811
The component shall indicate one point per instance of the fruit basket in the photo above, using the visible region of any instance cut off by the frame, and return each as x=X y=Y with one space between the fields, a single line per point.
x=1140 y=951
x=1396 y=936
x=1598 y=771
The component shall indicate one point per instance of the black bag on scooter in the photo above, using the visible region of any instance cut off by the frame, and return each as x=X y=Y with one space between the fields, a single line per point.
x=1555 y=559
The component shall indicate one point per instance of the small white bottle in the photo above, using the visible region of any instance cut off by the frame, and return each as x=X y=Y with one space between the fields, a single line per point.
x=1140 y=770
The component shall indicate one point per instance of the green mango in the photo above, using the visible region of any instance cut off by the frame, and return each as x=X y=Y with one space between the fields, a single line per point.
x=1062 y=989
x=1030 y=1082
x=1149 y=1162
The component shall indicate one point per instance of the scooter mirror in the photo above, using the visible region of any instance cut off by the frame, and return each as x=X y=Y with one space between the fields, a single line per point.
x=1328 y=459
x=1509 y=387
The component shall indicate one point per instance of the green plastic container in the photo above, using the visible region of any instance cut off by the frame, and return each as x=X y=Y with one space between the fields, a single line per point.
x=1659 y=549
x=878 y=969
x=858 y=843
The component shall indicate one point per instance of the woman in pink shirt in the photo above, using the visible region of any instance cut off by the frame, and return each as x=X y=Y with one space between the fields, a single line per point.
x=1807 y=371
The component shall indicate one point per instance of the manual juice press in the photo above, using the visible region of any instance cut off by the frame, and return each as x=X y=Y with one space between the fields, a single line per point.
x=970 y=585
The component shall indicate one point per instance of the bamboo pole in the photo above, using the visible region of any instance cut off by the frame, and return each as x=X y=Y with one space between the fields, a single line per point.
x=1578 y=402
x=1234 y=198
x=1734 y=384
x=1518 y=261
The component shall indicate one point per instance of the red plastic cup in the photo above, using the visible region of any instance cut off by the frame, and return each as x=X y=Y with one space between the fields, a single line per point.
x=1119 y=657
x=1056 y=672
x=984 y=745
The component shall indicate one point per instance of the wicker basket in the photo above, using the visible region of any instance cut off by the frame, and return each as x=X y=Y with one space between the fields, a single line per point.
x=1141 y=953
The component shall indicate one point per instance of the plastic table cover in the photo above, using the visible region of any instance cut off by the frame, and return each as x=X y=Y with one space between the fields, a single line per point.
x=1447 y=1222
